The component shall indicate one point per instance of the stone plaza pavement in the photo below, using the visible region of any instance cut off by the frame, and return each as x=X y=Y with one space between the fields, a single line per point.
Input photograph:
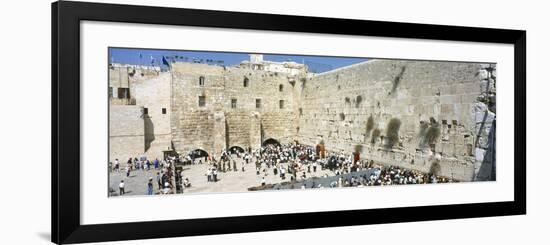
x=229 y=181
x=136 y=184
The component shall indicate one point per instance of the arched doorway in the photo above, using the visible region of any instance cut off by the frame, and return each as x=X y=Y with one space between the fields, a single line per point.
x=271 y=141
x=198 y=155
x=234 y=149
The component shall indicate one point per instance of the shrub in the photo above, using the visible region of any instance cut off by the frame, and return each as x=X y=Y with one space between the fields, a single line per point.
x=432 y=134
x=370 y=124
x=392 y=132
x=429 y=132
x=423 y=128
x=358 y=148
x=375 y=135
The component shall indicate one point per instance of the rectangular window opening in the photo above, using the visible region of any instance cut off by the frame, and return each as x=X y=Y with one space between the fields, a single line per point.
x=258 y=103
x=123 y=93
x=202 y=101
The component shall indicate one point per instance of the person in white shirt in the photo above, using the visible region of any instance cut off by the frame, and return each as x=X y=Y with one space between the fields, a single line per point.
x=166 y=189
x=186 y=183
x=215 y=175
x=121 y=187
x=208 y=175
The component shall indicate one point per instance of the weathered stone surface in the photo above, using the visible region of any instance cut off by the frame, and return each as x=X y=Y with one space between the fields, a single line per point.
x=126 y=132
x=441 y=91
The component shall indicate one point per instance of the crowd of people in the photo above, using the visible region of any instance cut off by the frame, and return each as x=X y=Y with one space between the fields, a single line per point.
x=292 y=163
x=290 y=159
x=141 y=163
x=302 y=160
x=164 y=177
x=376 y=176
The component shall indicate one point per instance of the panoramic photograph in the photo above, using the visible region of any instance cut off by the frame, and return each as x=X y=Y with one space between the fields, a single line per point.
x=199 y=122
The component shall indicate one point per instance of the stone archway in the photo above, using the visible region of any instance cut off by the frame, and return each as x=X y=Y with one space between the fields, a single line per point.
x=271 y=141
x=198 y=155
x=235 y=149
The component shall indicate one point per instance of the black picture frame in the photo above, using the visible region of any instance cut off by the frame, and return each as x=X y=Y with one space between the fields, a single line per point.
x=65 y=168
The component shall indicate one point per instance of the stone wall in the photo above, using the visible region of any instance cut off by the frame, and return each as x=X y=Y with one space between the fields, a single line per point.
x=121 y=76
x=149 y=88
x=434 y=107
x=118 y=77
x=231 y=96
x=193 y=126
x=126 y=132
x=153 y=92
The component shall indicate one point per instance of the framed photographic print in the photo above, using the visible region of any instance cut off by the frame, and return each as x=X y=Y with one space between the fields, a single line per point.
x=179 y=122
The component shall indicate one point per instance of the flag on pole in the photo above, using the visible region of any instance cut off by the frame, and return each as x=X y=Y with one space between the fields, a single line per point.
x=165 y=61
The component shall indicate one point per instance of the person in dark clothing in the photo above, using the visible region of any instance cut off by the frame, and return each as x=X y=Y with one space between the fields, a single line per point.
x=159 y=181
x=150 y=186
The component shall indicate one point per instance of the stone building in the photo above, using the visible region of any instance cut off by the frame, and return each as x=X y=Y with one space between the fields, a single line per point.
x=430 y=116
x=216 y=108
x=138 y=93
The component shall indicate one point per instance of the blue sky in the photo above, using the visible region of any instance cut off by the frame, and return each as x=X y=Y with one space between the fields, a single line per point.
x=143 y=57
